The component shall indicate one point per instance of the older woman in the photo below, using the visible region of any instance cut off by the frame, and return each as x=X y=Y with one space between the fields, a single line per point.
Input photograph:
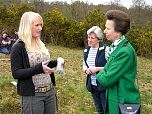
x=29 y=64
x=119 y=73
x=94 y=61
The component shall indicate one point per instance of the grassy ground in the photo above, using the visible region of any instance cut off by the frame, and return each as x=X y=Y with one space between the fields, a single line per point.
x=73 y=98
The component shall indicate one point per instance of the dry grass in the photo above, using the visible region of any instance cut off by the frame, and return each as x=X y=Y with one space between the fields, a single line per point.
x=73 y=98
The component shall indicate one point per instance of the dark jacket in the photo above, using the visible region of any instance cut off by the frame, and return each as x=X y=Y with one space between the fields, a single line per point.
x=22 y=71
x=1 y=39
x=100 y=61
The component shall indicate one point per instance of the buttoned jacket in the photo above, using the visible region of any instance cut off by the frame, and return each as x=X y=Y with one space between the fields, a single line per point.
x=118 y=76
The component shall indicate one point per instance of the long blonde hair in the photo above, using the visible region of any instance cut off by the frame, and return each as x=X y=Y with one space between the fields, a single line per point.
x=25 y=31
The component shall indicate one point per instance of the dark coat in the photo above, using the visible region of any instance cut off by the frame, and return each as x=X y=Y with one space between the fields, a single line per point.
x=100 y=61
x=22 y=71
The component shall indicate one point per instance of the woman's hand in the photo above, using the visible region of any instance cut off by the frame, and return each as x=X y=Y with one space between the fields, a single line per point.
x=88 y=71
x=46 y=69
x=92 y=70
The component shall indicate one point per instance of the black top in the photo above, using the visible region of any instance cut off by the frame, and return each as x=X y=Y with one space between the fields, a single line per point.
x=22 y=71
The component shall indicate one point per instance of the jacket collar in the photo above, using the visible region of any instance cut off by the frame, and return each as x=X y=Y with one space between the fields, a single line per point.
x=120 y=45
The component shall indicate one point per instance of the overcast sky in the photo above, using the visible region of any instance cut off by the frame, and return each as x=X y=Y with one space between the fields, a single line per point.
x=125 y=3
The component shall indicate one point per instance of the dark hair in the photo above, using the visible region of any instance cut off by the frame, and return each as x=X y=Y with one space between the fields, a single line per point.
x=121 y=20
x=5 y=32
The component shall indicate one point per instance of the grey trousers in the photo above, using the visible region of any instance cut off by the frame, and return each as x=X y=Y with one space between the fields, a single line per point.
x=41 y=103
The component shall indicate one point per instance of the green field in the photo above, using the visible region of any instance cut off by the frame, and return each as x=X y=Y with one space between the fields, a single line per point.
x=73 y=97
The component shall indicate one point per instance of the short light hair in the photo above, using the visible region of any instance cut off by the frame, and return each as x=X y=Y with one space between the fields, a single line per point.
x=97 y=31
x=25 y=29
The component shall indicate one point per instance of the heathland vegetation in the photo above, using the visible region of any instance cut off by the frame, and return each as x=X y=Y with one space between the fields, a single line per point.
x=64 y=33
x=73 y=98
x=66 y=24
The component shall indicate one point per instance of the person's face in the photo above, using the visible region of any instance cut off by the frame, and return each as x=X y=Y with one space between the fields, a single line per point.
x=110 y=32
x=16 y=33
x=36 y=28
x=93 y=40
x=4 y=35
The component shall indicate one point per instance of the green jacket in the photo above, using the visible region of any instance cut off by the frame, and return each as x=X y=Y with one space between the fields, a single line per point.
x=118 y=76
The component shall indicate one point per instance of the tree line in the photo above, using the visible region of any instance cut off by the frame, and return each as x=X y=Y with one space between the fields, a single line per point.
x=66 y=24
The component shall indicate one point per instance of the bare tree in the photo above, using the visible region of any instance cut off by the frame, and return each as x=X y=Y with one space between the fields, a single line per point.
x=138 y=5
x=115 y=4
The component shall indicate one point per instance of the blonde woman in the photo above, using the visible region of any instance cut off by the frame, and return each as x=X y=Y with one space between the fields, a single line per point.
x=29 y=64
